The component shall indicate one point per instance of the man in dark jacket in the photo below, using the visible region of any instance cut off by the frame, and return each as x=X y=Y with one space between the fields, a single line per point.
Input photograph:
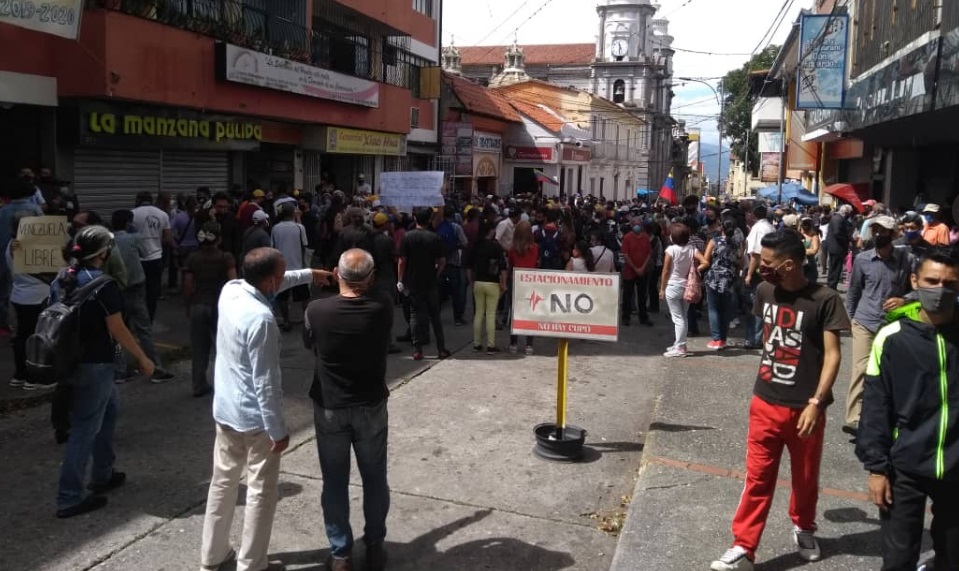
x=837 y=244
x=909 y=430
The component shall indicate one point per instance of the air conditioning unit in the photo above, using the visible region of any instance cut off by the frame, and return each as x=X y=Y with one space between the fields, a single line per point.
x=414 y=117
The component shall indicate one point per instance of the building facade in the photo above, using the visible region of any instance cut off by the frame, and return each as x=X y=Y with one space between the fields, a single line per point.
x=171 y=96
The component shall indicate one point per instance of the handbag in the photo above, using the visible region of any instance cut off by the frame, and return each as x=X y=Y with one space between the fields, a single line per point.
x=694 y=284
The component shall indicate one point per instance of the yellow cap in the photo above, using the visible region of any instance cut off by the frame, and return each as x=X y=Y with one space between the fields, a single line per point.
x=258 y=193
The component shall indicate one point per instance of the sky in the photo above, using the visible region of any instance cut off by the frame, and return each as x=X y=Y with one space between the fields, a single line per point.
x=717 y=26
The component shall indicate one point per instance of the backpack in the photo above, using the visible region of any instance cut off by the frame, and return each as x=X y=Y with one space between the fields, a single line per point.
x=53 y=351
x=550 y=256
x=448 y=235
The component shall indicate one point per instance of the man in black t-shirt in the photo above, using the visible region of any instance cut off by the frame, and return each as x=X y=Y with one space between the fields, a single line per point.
x=422 y=260
x=350 y=336
x=801 y=355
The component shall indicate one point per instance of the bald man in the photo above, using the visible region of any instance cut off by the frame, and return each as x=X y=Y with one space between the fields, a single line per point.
x=350 y=336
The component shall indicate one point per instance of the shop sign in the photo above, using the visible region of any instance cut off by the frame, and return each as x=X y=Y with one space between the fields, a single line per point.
x=57 y=17
x=824 y=40
x=901 y=89
x=536 y=154
x=102 y=124
x=575 y=155
x=241 y=65
x=487 y=142
x=769 y=167
x=566 y=305
x=485 y=165
x=358 y=142
x=457 y=147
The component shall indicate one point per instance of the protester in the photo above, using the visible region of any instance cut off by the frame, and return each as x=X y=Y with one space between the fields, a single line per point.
x=350 y=335
x=761 y=226
x=836 y=243
x=205 y=272
x=384 y=264
x=94 y=406
x=637 y=261
x=657 y=259
x=878 y=284
x=20 y=192
x=253 y=203
x=289 y=237
x=257 y=235
x=936 y=232
x=183 y=227
x=812 y=243
x=420 y=264
x=523 y=255
x=677 y=265
x=486 y=270
x=582 y=259
x=605 y=259
x=801 y=355
x=908 y=440
x=912 y=239
x=153 y=226
x=454 y=241
x=724 y=255
x=251 y=432
x=27 y=296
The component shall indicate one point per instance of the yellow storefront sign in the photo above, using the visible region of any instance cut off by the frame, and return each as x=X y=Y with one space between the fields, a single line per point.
x=358 y=142
x=152 y=126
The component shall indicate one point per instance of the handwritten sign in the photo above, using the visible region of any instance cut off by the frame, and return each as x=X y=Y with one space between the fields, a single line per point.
x=567 y=305
x=41 y=240
x=408 y=190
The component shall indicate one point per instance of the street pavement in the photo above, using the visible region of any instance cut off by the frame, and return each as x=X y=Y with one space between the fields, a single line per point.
x=467 y=492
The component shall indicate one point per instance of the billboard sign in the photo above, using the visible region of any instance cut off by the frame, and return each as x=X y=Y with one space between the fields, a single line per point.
x=566 y=305
x=769 y=169
x=824 y=41
x=57 y=17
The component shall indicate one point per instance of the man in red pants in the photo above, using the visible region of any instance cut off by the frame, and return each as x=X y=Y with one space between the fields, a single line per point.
x=801 y=355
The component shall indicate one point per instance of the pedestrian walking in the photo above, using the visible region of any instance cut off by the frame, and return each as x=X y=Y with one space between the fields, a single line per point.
x=420 y=264
x=153 y=226
x=678 y=262
x=836 y=243
x=801 y=354
x=251 y=432
x=908 y=436
x=761 y=226
x=812 y=243
x=350 y=336
x=724 y=255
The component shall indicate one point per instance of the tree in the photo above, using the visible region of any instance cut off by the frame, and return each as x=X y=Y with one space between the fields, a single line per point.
x=737 y=115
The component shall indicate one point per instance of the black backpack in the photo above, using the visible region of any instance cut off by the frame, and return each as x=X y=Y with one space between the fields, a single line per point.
x=53 y=351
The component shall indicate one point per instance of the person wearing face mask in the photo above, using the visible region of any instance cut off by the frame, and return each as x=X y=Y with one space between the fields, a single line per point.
x=637 y=260
x=251 y=432
x=879 y=282
x=936 y=232
x=802 y=322
x=909 y=431
x=912 y=238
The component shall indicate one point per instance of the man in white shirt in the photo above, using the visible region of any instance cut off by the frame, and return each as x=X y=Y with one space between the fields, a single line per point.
x=289 y=237
x=754 y=248
x=504 y=230
x=153 y=226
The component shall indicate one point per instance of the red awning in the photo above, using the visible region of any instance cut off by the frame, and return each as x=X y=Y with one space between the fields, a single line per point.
x=854 y=194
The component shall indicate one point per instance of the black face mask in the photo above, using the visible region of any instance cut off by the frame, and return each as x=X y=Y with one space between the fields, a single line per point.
x=883 y=241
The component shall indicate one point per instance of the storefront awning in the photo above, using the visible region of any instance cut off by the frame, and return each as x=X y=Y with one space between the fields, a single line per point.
x=854 y=194
x=822 y=136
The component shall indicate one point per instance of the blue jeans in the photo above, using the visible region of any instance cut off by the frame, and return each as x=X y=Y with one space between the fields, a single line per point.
x=754 y=326
x=93 y=421
x=722 y=308
x=365 y=429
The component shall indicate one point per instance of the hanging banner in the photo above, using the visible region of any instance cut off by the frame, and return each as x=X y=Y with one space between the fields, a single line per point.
x=567 y=305
x=769 y=167
x=408 y=190
x=823 y=43
x=40 y=241
x=57 y=17
x=770 y=141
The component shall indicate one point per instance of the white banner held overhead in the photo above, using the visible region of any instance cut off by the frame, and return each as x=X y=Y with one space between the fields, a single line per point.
x=57 y=17
x=408 y=190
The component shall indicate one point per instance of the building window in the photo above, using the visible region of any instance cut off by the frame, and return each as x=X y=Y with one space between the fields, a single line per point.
x=424 y=7
x=619 y=91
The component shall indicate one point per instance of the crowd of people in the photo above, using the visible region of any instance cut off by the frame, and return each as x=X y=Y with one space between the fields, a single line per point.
x=240 y=259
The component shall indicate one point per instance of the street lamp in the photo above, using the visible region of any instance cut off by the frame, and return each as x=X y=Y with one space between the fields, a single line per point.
x=719 y=123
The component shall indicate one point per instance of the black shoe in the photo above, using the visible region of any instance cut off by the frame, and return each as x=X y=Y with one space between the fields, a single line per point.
x=493 y=350
x=90 y=503
x=200 y=393
x=477 y=348
x=116 y=480
x=405 y=338
x=459 y=322
x=851 y=429
x=375 y=557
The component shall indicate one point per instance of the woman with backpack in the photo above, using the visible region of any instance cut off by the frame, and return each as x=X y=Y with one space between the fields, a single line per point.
x=678 y=264
x=94 y=408
x=723 y=254
x=523 y=255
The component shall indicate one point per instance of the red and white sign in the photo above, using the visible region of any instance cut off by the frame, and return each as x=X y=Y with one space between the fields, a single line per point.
x=535 y=154
x=576 y=155
x=567 y=305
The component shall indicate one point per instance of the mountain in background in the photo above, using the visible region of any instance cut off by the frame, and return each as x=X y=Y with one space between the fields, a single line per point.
x=709 y=154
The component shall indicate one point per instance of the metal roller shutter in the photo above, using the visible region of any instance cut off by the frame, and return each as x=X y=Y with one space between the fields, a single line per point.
x=185 y=171
x=106 y=180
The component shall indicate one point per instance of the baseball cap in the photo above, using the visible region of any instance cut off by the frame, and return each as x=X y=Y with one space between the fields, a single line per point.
x=887 y=222
x=931 y=208
x=258 y=193
x=261 y=216
x=791 y=220
x=380 y=219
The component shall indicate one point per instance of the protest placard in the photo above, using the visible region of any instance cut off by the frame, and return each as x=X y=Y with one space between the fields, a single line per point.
x=40 y=244
x=408 y=190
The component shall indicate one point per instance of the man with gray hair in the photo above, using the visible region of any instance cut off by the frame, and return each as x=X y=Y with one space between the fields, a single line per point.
x=350 y=336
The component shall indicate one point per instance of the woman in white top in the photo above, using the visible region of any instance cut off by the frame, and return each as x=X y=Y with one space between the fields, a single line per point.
x=678 y=259
x=605 y=260
x=27 y=295
x=582 y=259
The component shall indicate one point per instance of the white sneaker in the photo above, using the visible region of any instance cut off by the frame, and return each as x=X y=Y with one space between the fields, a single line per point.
x=807 y=545
x=39 y=386
x=676 y=352
x=733 y=560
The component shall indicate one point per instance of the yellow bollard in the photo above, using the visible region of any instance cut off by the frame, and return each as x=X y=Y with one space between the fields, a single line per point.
x=562 y=354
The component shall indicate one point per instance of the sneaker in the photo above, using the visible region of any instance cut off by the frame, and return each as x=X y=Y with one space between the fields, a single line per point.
x=735 y=559
x=807 y=545
x=229 y=558
x=477 y=348
x=734 y=323
x=716 y=345
x=39 y=386
x=529 y=350
x=417 y=355
x=90 y=503
x=124 y=378
x=444 y=354
x=17 y=383
x=161 y=376
x=513 y=349
x=116 y=480
x=493 y=350
x=676 y=352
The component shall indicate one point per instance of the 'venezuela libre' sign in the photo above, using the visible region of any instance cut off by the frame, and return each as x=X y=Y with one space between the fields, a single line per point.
x=567 y=305
x=41 y=240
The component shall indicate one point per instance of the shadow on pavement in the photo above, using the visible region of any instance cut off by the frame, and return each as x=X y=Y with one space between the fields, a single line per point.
x=666 y=427
x=423 y=553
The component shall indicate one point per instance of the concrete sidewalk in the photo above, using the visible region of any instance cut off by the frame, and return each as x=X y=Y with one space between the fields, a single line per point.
x=468 y=494
x=691 y=479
